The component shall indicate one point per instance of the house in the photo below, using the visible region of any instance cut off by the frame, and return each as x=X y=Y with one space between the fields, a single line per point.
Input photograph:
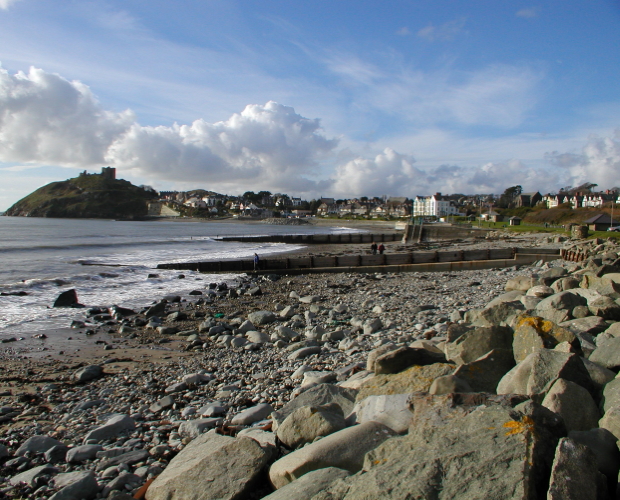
x=528 y=199
x=514 y=221
x=433 y=206
x=398 y=206
x=492 y=216
x=600 y=222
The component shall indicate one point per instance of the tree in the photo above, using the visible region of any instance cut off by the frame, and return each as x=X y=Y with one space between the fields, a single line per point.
x=507 y=200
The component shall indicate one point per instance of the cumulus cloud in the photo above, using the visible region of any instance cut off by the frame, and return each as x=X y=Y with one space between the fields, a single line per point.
x=5 y=4
x=46 y=119
x=598 y=162
x=443 y=33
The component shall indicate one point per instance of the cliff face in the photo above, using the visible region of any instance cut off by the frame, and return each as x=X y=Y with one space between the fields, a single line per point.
x=86 y=196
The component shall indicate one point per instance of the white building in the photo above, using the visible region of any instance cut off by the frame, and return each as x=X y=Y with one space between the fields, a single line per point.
x=433 y=206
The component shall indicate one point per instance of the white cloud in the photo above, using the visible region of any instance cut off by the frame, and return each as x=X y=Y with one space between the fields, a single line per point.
x=598 y=162
x=443 y=33
x=46 y=119
x=5 y=4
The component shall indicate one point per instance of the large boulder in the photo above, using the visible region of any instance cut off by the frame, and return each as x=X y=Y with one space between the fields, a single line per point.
x=501 y=314
x=78 y=484
x=574 y=473
x=307 y=423
x=605 y=307
x=68 y=298
x=481 y=451
x=391 y=410
x=607 y=354
x=532 y=333
x=483 y=374
x=535 y=374
x=344 y=449
x=574 y=404
x=477 y=342
x=309 y=484
x=558 y=307
x=211 y=466
x=416 y=378
x=399 y=359
x=592 y=325
x=319 y=395
x=604 y=445
x=521 y=283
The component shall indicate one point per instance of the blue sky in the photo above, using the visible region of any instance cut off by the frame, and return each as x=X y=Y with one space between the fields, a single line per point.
x=340 y=98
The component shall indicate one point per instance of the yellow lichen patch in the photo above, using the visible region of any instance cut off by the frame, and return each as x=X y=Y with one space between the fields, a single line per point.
x=539 y=324
x=526 y=425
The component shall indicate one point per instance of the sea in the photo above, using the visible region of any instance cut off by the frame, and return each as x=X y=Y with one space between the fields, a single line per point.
x=108 y=262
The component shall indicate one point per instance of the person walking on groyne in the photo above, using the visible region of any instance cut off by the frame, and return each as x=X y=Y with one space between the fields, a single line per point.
x=381 y=248
x=256 y=259
x=373 y=247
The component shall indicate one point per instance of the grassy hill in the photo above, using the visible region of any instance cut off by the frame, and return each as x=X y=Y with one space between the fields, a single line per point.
x=86 y=196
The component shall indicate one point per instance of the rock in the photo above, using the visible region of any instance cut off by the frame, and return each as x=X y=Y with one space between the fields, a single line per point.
x=497 y=315
x=176 y=387
x=540 y=291
x=392 y=410
x=211 y=466
x=449 y=384
x=611 y=421
x=37 y=444
x=68 y=298
x=82 y=453
x=477 y=342
x=591 y=324
x=194 y=428
x=258 y=337
x=416 y=378
x=266 y=440
x=308 y=485
x=605 y=307
x=78 y=484
x=197 y=378
x=600 y=376
x=309 y=299
x=522 y=283
x=312 y=378
x=558 y=307
x=120 y=482
x=603 y=444
x=372 y=325
x=375 y=353
x=112 y=428
x=304 y=352
x=56 y=454
x=319 y=395
x=534 y=375
x=454 y=452
x=573 y=473
x=88 y=373
x=511 y=296
x=563 y=284
x=574 y=404
x=607 y=354
x=128 y=458
x=397 y=360
x=484 y=373
x=29 y=477
x=162 y=404
x=532 y=333
x=307 y=423
x=253 y=414
x=261 y=317
x=344 y=449
x=611 y=395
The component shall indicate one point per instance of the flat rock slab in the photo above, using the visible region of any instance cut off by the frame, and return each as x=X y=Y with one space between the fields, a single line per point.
x=112 y=428
x=78 y=484
x=391 y=410
x=574 y=472
x=344 y=449
x=211 y=466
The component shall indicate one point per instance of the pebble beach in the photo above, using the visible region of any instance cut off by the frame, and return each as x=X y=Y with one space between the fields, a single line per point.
x=127 y=391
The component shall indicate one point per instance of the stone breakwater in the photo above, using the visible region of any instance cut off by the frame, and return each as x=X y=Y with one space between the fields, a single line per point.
x=486 y=384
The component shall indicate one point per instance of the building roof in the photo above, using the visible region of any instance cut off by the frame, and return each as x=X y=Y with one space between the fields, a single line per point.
x=600 y=219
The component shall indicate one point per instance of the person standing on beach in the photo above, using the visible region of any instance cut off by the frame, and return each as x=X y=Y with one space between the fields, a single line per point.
x=256 y=259
x=381 y=248
x=373 y=247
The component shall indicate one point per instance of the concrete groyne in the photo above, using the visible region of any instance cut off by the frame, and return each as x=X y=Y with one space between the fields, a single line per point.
x=395 y=262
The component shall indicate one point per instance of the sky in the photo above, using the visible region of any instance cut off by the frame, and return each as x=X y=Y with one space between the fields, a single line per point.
x=342 y=98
